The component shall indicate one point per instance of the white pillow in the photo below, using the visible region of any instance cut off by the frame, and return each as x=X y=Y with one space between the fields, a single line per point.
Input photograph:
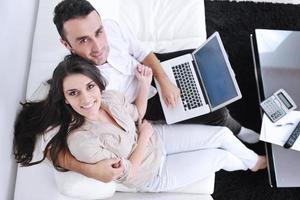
x=165 y=26
x=78 y=186
x=40 y=93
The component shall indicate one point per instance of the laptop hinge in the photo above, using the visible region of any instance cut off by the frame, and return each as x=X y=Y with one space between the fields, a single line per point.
x=200 y=79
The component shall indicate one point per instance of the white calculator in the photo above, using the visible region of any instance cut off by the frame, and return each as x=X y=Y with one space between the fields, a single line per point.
x=278 y=105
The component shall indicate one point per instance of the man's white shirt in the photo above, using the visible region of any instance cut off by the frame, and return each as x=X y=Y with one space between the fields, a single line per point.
x=126 y=52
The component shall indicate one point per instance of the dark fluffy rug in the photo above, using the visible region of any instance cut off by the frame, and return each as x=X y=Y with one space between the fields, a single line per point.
x=235 y=22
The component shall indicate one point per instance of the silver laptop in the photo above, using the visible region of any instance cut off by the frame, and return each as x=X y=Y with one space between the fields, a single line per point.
x=205 y=79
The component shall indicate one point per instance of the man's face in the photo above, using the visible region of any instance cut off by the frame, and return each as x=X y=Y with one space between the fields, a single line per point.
x=86 y=37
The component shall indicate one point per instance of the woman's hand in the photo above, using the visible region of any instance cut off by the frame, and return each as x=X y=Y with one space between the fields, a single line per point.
x=144 y=74
x=145 y=130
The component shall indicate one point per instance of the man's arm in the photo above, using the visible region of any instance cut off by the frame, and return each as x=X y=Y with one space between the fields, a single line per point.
x=105 y=171
x=170 y=92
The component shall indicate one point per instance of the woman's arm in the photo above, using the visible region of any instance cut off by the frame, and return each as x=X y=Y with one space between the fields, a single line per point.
x=145 y=132
x=144 y=76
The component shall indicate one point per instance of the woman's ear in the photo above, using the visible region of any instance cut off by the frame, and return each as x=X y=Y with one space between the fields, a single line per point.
x=66 y=101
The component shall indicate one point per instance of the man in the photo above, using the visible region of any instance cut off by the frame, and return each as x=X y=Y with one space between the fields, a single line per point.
x=117 y=52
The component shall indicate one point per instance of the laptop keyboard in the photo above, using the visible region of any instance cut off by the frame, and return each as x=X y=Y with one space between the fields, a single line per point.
x=186 y=83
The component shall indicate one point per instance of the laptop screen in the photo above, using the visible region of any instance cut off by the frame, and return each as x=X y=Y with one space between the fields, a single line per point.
x=216 y=73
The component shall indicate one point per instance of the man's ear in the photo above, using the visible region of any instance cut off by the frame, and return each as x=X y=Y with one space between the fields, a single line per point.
x=66 y=44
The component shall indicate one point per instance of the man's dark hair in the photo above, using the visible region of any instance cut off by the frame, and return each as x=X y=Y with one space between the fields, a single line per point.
x=70 y=9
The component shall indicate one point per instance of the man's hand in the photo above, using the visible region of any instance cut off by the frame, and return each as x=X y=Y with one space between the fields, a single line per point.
x=170 y=92
x=105 y=170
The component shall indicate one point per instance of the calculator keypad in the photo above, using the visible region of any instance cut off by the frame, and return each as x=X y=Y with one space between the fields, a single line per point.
x=273 y=111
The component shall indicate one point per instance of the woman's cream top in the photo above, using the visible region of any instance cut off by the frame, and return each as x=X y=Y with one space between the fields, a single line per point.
x=96 y=141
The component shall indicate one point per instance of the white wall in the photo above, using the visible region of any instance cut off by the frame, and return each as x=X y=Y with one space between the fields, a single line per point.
x=17 y=24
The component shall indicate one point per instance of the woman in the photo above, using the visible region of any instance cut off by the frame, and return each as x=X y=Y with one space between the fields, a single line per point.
x=96 y=124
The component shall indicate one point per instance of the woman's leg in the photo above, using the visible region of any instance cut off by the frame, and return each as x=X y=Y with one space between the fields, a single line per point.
x=189 y=137
x=183 y=169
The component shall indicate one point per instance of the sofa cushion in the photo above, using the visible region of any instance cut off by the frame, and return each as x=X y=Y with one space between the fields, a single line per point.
x=165 y=26
x=37 y=183
x=78 y=186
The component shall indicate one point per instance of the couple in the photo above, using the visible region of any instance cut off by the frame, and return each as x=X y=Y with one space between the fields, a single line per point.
x=97 y=124
x=84 y=34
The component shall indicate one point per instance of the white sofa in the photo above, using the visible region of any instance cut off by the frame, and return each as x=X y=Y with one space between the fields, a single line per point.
x=165 y=26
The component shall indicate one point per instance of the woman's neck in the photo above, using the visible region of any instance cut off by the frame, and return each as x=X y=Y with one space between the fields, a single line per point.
x=105 y=117
x=100 y=116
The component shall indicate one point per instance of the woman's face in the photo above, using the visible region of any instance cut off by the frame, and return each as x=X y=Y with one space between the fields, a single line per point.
x=83 y=95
